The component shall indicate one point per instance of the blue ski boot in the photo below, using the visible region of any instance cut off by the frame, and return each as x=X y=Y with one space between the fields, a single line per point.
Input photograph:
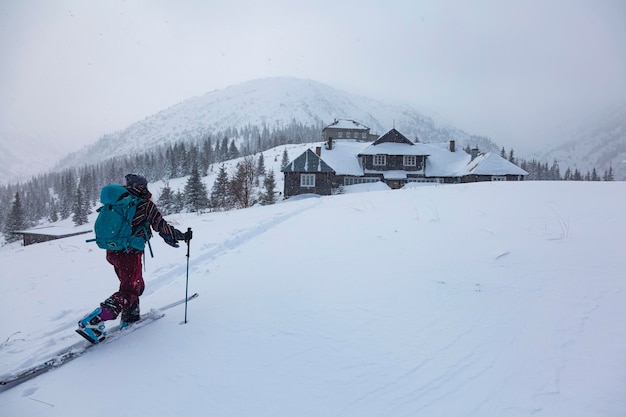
x=130 y=315
x=91 y=327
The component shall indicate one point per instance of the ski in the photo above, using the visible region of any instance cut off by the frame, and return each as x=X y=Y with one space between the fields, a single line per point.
x=78 y=349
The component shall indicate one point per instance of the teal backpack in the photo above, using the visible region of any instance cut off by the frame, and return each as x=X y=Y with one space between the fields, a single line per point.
x=113 y=225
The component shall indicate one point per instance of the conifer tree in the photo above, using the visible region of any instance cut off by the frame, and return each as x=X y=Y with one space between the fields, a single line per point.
x=206 y=156
x=223 y=150
x=555 y=172
x=53 y=215
x=233 y=152
x=167 y=200
x=80 y=209
x=269 y=195
x=217 y=154
x=15 y=221
x=220 y=199
x=196 y=197
x=568 y=174
x=67 y=195
x=285 y=161
x=511 y=156
x=179 y=201
x=594 y=175
x=577 y=175
x=260 y=170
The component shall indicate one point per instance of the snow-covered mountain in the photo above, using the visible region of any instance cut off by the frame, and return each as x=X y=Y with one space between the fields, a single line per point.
x=273 y=103
x=24 y=155
x=277 y=103
x=599 y=142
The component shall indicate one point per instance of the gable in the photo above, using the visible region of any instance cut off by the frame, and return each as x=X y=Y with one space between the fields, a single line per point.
x=308 y=162
x=393 y=136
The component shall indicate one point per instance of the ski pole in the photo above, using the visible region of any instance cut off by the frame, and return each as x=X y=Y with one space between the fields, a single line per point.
x=187 y=280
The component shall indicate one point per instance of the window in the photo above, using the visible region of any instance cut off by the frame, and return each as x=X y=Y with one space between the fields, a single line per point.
x=348 y=135
x=425 y=180
x=364 y=135
x=359 y=180
x=339 y=135
x=380 y=160
x=498 y=178
x=409 y=160
x=307 y=180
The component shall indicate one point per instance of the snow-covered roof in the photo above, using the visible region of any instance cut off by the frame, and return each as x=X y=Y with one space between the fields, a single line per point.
x=343 y=156
x=441 y=162
x=388 y=148
x=344 y=159
x=395 y=143
x=57 y=231
x=493 y=164
x=308 y=162
x=346 y=124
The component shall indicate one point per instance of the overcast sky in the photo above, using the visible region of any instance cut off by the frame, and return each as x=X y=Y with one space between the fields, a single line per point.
x=504 y=69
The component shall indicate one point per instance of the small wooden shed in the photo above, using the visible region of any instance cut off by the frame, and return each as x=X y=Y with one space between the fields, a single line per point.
x=45 y=234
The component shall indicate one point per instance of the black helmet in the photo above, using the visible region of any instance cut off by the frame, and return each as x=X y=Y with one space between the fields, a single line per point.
x=135 y=180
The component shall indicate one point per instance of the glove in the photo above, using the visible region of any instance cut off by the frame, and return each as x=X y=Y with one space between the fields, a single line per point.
x=183 y=236
x=169 y=239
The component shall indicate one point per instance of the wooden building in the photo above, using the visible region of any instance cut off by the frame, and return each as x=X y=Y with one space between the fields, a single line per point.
x=45 y=234
x=392 y=159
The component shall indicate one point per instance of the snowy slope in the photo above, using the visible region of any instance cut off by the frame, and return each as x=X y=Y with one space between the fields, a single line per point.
x=599 y=142
x=489 y=299
x=24 y=155
x=272 y=103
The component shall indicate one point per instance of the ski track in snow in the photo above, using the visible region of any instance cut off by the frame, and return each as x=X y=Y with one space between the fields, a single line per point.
x=49 y=343
x=165 y=275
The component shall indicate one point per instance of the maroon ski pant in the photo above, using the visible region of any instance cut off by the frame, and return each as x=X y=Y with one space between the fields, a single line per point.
x=128 y=269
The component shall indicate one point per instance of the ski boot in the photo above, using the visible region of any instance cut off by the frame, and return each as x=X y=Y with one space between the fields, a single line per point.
x=130 y=315
x=91 y=327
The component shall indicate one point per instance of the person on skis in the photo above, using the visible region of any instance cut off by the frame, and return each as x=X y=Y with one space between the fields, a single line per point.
x=127 y=265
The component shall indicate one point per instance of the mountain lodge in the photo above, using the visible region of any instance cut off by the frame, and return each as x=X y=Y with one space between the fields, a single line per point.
x=351 y=155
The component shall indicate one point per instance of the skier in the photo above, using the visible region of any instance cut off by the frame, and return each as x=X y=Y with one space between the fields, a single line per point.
x=127 y=265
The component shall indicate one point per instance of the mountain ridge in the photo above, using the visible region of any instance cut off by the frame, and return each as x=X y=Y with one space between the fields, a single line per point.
x=598 y=142
x=275 y=103
x=271 y=103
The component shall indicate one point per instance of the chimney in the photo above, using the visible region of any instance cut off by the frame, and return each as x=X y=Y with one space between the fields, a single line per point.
x=318 y=151
x=452 y=146
x=474 y=153
x=329 y=144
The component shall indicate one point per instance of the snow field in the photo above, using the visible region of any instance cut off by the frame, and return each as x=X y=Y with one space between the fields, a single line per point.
x=491 y=299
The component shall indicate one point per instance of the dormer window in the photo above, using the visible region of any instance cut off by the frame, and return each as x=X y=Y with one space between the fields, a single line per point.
x=380 y=160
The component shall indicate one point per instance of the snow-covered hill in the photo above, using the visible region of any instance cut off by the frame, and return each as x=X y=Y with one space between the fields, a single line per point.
x=24 y=155
x=276 y=103
x=599 y=143
x=486 y=299
x=272 y=103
